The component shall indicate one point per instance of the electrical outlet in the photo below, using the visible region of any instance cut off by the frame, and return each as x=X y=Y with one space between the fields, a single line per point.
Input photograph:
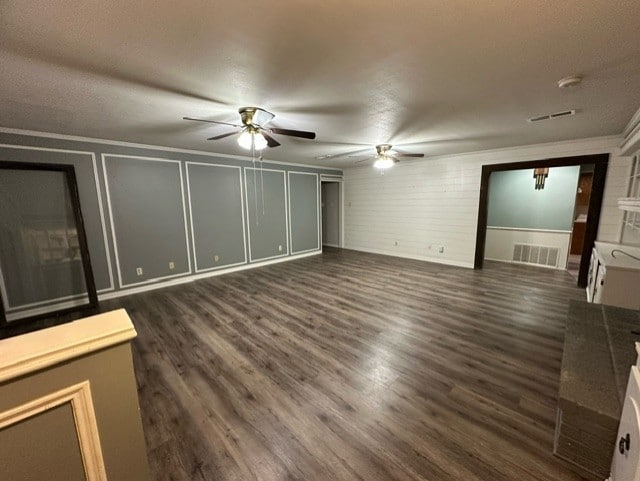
x=216 y=258
x=138 y=271
x=395 y=243
x=441 y=249
x=279 y=248
x=172 y=265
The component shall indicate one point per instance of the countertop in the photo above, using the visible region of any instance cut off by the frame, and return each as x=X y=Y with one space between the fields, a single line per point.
x=599 y=349
x=620 y=260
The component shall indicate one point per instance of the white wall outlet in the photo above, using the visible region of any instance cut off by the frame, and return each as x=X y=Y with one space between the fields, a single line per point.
x=280 y=248
x=138 y=271
x=172 y=265
x=216 y=258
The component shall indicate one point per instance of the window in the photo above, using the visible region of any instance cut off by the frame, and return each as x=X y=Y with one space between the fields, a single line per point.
x=631 y=220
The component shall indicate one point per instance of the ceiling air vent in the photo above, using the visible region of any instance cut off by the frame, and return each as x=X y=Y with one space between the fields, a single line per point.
x=556 y=115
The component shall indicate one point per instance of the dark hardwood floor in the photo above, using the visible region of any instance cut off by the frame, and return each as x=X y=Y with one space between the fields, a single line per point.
x=353 y=366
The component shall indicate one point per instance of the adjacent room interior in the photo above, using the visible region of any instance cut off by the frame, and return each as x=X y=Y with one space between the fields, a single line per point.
x=295 y=241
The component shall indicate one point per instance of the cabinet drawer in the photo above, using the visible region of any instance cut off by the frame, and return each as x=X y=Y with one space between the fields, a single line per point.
x=626 y=457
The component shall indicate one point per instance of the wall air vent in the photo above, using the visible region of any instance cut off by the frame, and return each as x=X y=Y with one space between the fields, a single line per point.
x=556 y=115
x=535 y=254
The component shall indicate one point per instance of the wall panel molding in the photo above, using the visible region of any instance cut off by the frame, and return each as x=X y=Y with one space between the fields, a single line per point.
x=111 y=218
x=318 y=212
x=248 y=217
x=103 y=223
x=79 y=396
x=242 y=203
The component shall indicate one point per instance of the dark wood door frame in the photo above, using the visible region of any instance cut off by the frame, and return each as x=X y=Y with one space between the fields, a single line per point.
x=30 y=323
x=600 y=161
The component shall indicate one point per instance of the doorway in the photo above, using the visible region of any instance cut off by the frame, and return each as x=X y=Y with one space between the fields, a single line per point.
x=583 y=195
x=599 y=161
x=331 y=203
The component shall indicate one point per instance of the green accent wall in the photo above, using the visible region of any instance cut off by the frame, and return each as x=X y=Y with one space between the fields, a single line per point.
x=514 y=202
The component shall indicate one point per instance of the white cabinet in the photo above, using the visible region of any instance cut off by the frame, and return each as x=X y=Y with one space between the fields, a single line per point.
x=614 y=277
x=626 y=457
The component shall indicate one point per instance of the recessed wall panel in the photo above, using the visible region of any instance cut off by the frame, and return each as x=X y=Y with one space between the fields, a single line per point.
x=88 y=189
x=303 y=212
x=146 y=204
x=266 y=205
x=216 y=205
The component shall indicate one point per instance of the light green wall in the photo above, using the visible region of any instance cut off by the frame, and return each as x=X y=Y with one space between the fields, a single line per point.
x=513 y=201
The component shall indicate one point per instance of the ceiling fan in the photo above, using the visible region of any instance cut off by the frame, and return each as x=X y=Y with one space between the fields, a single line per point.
x=385 y=157
x=253 y=131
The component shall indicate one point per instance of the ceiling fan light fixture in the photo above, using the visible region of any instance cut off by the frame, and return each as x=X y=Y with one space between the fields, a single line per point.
x=383 y=163
x=247 y=139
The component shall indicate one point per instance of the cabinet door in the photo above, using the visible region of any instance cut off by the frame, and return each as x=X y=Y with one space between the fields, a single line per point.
x=599 y=287
x=591 y=278
x=626 y=457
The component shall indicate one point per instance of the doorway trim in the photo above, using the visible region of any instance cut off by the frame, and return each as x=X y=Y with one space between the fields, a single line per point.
x=600 y=162
x=330 y=179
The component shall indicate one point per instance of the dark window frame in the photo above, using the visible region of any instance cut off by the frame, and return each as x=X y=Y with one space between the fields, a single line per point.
x=28 y=324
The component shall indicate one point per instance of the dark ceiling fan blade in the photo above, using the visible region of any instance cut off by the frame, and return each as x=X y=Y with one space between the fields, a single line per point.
x=361 y=154
x=405 y=154
x=222 y=136
x=293 y=133
x=271 y=142
x=212 y=121
x=363 y=160
x=353 y=153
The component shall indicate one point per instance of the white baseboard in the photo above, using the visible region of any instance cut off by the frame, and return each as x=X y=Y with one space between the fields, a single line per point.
x=331 y=245
x=150 y=287
x=505 y=261
x=204 y=275
x=435 y=260
x=36 y=311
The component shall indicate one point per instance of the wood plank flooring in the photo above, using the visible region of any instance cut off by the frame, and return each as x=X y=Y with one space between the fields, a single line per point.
x=353 y=366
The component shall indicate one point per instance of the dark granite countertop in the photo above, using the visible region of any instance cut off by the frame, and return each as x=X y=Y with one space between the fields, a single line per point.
x=599 y=348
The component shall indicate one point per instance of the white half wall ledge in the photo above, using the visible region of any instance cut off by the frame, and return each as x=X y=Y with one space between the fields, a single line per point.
x=22 y=355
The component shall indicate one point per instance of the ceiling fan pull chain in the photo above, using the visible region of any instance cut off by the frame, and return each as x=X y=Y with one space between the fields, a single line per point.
x=255 y=183
x=262 y=184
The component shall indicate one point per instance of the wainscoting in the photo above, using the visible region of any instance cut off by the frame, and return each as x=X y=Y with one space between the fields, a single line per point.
x=501 y=241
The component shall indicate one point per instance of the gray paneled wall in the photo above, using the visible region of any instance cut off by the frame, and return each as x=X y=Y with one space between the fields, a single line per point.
x=303 y=212
x=188 y=208
x=267 y=213
x=39 y=256
x=217 y=215
x=32 y=149
x=147 y=211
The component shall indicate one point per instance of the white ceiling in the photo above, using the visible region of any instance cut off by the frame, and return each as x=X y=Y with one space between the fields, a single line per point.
x=438 y=77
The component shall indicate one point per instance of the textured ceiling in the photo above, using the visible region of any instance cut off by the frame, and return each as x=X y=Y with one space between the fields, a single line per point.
x=437 y=77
